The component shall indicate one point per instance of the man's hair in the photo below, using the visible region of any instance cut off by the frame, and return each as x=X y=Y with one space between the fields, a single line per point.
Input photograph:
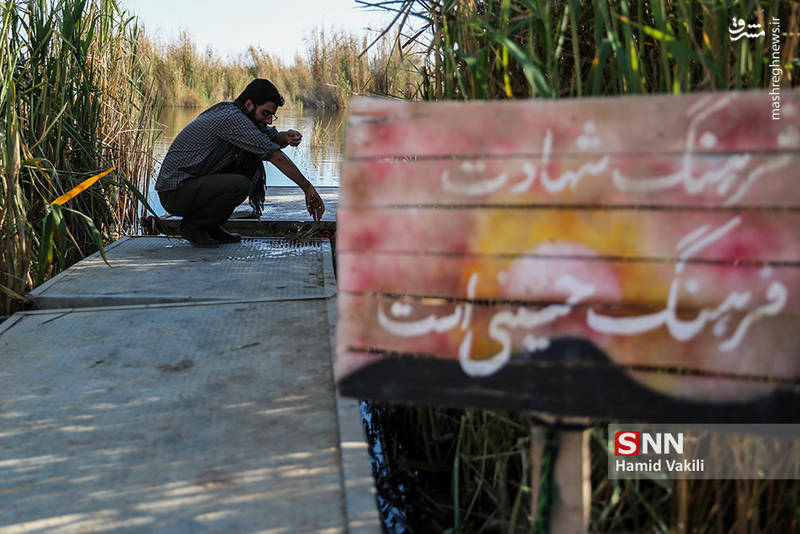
x=260 y=91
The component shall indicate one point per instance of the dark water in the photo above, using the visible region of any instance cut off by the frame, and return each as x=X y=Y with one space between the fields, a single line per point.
x=390 y=494
x=412 y=482
x=318 y=156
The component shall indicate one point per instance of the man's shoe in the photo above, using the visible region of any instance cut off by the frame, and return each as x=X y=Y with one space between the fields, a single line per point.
x=223 y=236
x=197 y=236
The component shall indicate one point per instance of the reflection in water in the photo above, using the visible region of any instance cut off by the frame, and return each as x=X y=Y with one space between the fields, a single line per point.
x=319 y=154
x=317 y=157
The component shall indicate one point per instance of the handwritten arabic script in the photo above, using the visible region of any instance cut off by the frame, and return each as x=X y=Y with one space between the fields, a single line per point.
x=730 y=179
x=526 y=320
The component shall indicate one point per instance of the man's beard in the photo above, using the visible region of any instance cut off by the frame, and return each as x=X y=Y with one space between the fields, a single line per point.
x=252 y=116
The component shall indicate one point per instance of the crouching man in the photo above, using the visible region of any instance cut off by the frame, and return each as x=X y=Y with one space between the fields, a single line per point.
x=216 y=162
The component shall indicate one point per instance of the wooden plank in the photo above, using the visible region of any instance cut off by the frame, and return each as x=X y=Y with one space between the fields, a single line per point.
x=484 y=338
x=536 y=461
x=534 y=279
x=263 y=228
x=692 y=123
x=572 y=473
x=760 y=236
x=698 y=180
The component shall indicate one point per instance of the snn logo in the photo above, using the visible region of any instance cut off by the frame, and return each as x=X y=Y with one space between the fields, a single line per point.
x=632 y=443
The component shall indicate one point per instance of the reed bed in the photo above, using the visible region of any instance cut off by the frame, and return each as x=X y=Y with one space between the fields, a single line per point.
x=472 y=468
x=76 y=99
x=474 y=49
x=332 y=70
x=187 y=77
x=450 y=470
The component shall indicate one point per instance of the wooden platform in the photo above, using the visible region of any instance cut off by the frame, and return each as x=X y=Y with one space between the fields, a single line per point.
x=150 y=269
x=285 y=214
x=208 y=406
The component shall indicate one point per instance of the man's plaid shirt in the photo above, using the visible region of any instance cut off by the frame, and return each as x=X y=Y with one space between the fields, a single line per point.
x=212 y=143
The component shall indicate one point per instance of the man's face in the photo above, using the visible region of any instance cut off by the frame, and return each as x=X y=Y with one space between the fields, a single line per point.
x=261 y=115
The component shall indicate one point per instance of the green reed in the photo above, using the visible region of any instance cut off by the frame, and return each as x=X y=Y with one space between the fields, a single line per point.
x=76 y=98
x=535 y=48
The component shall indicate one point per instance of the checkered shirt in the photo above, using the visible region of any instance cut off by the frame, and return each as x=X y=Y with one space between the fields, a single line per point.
x=211 y=143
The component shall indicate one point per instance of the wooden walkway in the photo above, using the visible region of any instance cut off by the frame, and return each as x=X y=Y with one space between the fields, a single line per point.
x=284 y=214
x=182 y=390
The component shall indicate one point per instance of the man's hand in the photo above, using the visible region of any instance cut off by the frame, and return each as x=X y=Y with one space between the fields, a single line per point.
x=294 y=137
x=314 y=203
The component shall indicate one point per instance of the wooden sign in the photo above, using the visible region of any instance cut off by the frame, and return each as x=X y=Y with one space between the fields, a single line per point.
x=630 y=257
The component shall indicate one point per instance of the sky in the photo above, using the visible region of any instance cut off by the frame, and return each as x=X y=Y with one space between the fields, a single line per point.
x=230 y=26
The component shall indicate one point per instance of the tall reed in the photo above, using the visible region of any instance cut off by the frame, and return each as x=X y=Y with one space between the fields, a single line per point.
x=534 y=48
x=332 y=69
x=188 y=77
x=76 y=98
x=499 y=49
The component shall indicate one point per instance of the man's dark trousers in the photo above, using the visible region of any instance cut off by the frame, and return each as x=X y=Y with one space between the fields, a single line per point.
x=208 y=201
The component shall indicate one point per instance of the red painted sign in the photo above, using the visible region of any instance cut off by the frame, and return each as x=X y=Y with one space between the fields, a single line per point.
x=653 y=241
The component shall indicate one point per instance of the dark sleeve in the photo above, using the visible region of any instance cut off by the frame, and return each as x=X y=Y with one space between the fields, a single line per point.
x=240 y=131
x=271 y=132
